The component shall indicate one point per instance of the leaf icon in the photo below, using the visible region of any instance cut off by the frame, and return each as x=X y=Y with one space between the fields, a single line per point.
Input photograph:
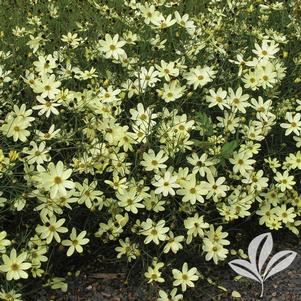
x=279 y=262
x=245 y=268
x=254 y=252
x=259 y=249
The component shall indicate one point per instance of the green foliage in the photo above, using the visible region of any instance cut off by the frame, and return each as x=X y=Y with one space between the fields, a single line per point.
x=228 y=149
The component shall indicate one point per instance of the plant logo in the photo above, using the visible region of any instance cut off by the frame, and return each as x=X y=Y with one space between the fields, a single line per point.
x=259 y=251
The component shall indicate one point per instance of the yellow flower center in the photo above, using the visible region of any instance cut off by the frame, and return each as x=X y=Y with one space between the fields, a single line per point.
x=58 y=180
x=15 y=267
x=52 y=228
x=154 y=232
x=193 y=190
x=200 y=164
x=143 y=117
x=265 y=78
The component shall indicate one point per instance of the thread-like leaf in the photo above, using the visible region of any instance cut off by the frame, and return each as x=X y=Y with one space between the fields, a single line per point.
x=246 y=269
x=279 y=262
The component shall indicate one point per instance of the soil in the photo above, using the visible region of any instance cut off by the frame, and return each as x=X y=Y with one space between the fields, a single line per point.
x=111 y=281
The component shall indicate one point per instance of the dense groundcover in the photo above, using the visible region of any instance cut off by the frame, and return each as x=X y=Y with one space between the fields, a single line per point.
x=151 y=132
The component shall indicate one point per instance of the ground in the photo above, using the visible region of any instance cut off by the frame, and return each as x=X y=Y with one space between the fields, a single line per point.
x=108 y=282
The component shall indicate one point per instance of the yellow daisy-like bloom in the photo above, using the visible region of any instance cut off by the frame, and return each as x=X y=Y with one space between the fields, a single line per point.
x=112 y=47
x=14 y=265
x=51 y=229
x=55 y=180
x=153 y=274
x=3 y=242
x=155 y=232
x=173 y=296
x=10 y=296
x=185 y=277
x=75 y=242
x=214 y=250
